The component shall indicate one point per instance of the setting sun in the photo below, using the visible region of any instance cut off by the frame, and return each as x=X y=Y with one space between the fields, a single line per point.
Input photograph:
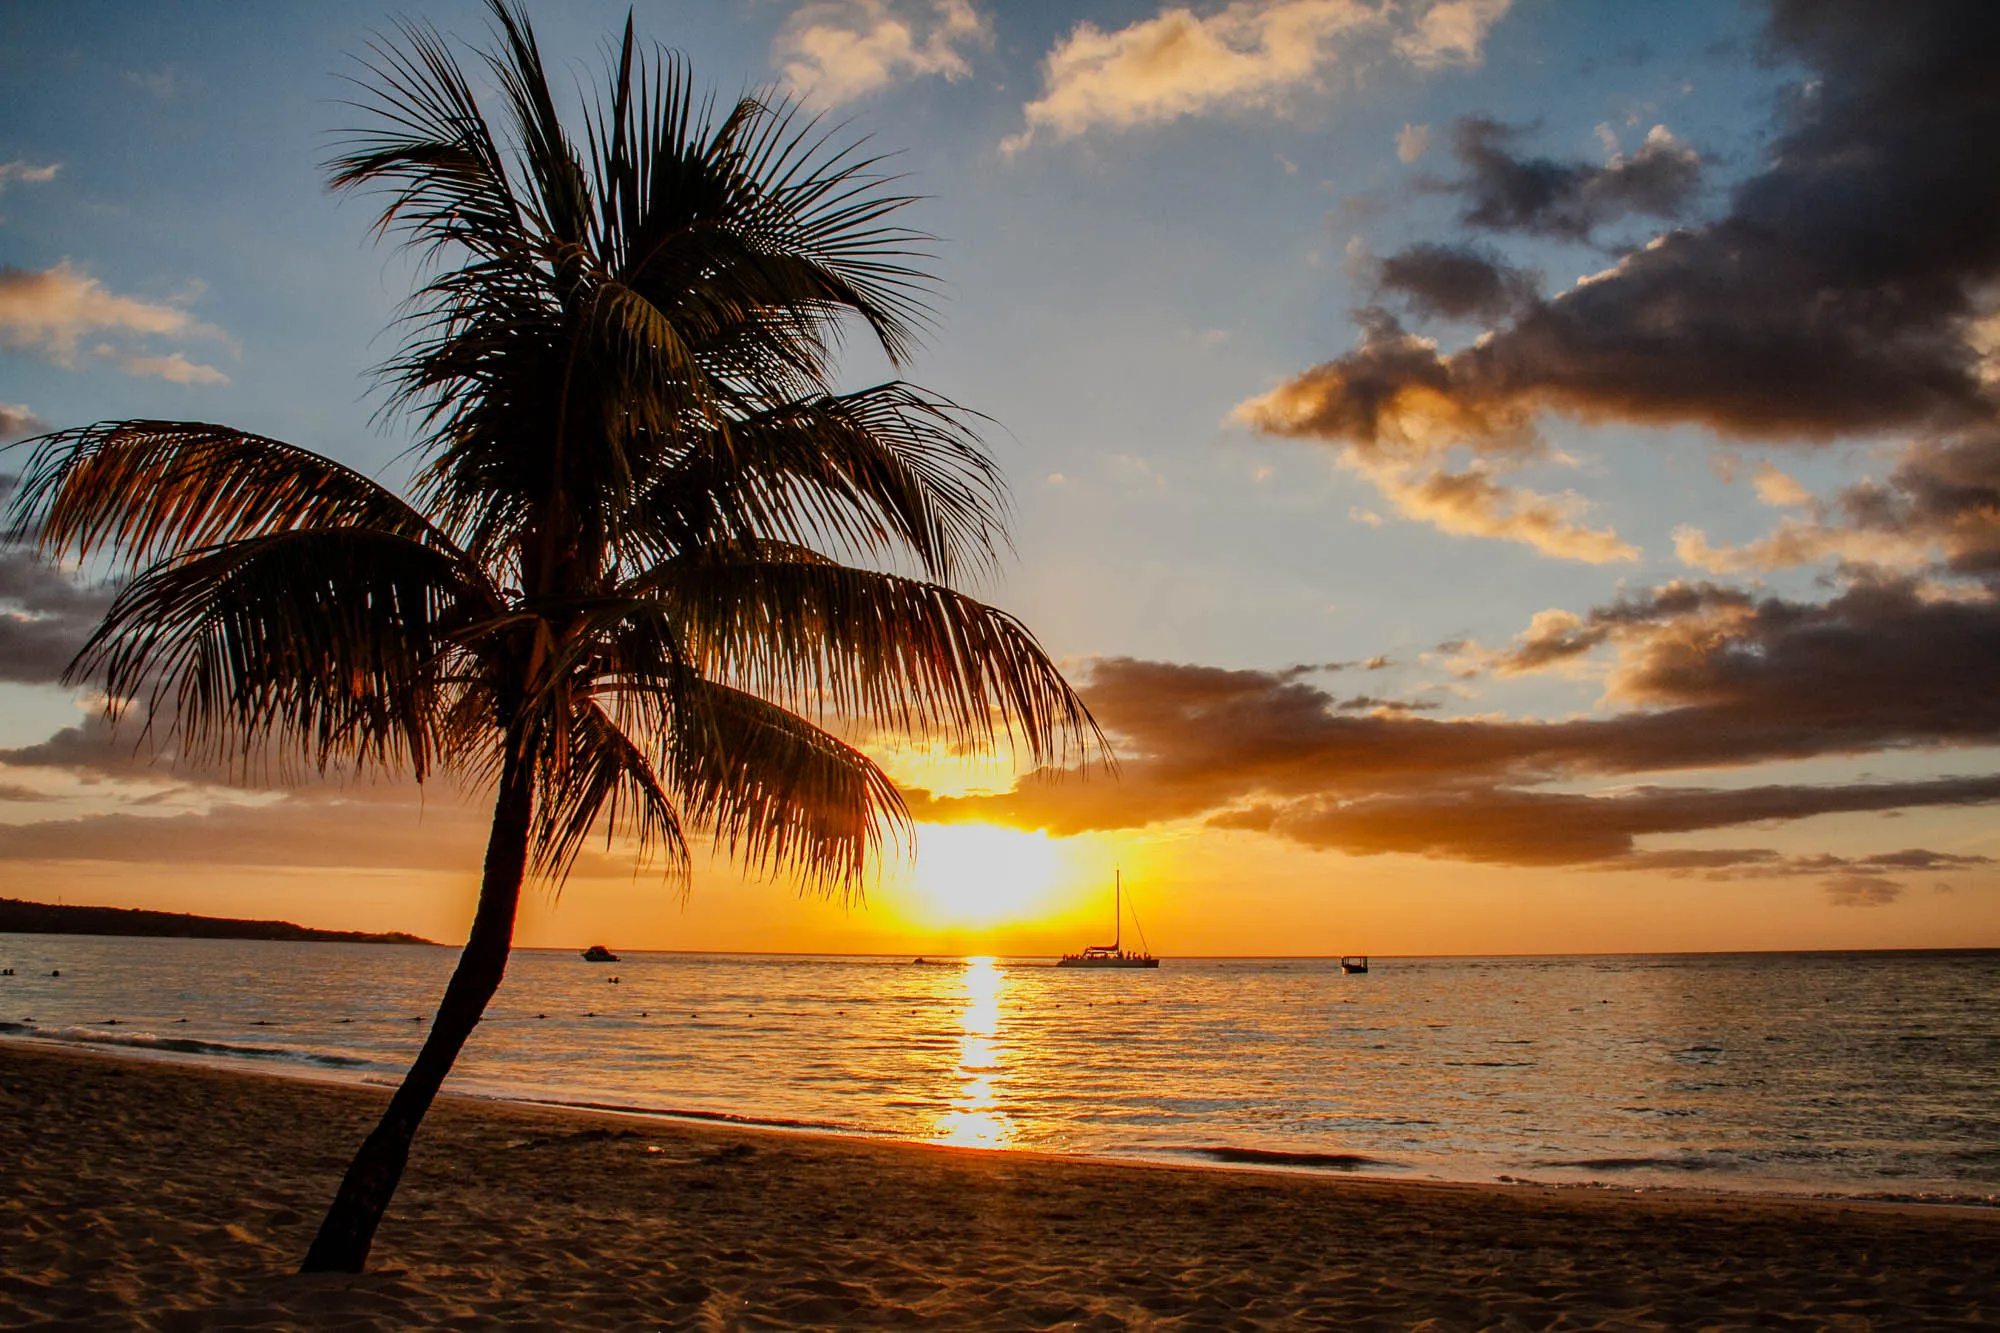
x=983 y=874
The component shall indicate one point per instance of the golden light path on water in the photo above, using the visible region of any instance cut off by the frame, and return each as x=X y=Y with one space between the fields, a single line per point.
x=975 y=1119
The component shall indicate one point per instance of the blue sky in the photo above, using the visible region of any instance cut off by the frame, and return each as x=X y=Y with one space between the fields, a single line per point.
x=1150 y=219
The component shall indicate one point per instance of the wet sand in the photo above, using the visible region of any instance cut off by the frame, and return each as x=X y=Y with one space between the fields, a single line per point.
x=141 y=1194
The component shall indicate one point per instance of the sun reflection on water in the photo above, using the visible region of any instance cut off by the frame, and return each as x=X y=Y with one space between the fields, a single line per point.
x=975 y=1119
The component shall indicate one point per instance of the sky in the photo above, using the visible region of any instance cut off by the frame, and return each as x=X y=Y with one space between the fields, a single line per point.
x=1507 y=475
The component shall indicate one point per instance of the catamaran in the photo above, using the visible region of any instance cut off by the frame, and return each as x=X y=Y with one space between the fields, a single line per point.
x=1114 y=953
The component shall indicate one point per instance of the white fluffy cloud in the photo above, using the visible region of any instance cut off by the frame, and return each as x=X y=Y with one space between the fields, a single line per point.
x=50 y=311
x=833 y=51
x=1247 y=55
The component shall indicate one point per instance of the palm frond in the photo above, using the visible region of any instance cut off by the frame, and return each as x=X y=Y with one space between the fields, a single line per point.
x=603 y=780
x=883 y=471
x=430 y=152
x=776 y=791
x=149 y=488
x=798 y=627
x=337 y=641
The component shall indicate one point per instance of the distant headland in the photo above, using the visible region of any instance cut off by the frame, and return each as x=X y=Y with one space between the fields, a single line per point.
x=26 y=918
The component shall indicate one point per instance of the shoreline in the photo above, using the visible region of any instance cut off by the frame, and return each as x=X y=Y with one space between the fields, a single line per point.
x=1219 y=1158
x=161 y=1194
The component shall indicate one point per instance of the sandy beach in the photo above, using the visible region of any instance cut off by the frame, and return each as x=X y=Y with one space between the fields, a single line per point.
x=141 y=1194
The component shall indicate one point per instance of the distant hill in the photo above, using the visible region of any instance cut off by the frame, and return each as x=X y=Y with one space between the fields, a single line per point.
x=26 y=918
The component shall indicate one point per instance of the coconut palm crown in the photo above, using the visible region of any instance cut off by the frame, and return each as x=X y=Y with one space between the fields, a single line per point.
x=651 y=547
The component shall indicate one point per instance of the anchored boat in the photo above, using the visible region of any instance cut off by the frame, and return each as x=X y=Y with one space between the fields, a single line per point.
x=1114 y=953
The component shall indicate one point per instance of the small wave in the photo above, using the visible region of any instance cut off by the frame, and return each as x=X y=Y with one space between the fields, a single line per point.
x=1317 y=1161
x=1640 y=1164
x=1490 y=1064
x=717 y=1117
x=147 y=1041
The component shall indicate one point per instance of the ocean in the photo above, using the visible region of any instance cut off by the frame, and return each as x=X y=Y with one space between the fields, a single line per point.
x=1867 y=1074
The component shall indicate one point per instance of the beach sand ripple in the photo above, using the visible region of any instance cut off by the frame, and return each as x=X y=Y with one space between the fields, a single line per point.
x=142 y=1194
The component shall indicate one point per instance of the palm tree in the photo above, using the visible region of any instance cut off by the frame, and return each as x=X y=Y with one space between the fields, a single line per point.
x=651 y=547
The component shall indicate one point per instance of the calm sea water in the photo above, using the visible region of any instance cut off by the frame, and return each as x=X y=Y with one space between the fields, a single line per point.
x=1846 y=1073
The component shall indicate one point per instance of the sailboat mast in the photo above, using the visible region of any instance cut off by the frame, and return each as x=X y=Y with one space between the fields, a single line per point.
x=1117 y=908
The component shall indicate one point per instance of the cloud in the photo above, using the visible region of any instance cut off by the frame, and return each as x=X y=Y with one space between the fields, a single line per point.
x=1707 y=676
x=1412 y=142
x=1510 y=826
x=1779 y=490
x=1471 y=503
x=1862 y=891
x=1554 y=638
x=49 y=311
x=835 y=51
x=22 y=171
x=45 y=616
x=1249 y=55
x=1885 y=664
x=1569 y=200
x=1370 y=703
x=1405 y=453
x=1451 y=33
x=16 y=420
x=174 y=368
x=1940 y=506
x=1456 y=282
x=339 y=833
x=1843 y=293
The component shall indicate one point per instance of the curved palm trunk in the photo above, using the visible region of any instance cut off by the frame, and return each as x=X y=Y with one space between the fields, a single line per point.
x=349 y=1227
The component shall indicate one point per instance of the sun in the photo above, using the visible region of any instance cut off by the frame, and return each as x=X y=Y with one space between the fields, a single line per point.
x=982 y=874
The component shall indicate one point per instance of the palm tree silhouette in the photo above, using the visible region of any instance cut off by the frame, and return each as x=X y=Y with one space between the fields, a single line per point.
x=637 y=564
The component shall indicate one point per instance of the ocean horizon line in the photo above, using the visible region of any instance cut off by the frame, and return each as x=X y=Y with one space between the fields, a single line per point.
x=1004 y=955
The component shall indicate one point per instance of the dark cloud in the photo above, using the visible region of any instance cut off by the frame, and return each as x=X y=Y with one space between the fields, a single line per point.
x=1505 y=191
x=1313 y=669
x=1837 y=296
x=1370 y=703
x=1879 y=665
x=1719 y=680
x=95 y=749
x=322 y=834
x=1456 y=282
x=1509 y=826
x=1940 y=505
x=45 y=616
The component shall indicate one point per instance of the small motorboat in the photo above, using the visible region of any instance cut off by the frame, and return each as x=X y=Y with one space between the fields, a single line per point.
x=1354 y=963
x=597 y=953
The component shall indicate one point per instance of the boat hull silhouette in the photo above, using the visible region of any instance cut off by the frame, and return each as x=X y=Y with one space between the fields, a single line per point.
x=1108 y=960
